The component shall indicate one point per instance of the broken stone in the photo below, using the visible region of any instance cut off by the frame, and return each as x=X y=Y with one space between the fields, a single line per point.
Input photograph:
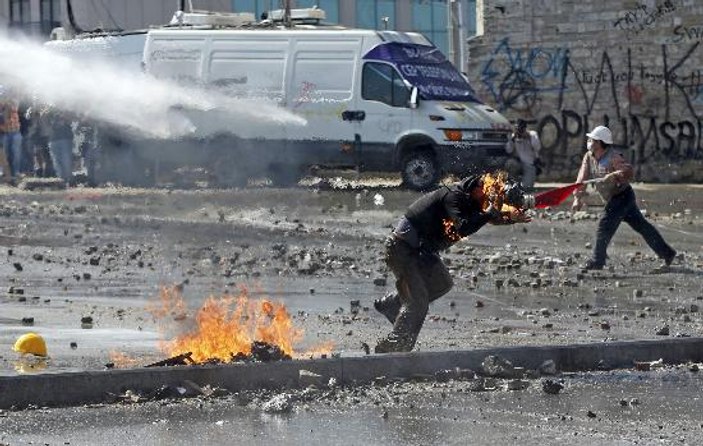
x=498 y=367
x=517 y=384
x=693 y=308
x=551 y=387
x=307 y=378
x=545 y=312
x=663 y=331
x=658 y=364
x=642 y=366
x=380 y=281
x=282 y=403
x=548 y=367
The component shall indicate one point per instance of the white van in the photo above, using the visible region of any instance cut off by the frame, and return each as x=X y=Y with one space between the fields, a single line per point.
x=373 y=100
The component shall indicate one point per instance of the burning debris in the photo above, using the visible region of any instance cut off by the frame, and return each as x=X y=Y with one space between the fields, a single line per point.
x=228 y=329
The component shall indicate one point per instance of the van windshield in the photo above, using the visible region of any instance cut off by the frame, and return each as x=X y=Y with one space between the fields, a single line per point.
x=426 y=68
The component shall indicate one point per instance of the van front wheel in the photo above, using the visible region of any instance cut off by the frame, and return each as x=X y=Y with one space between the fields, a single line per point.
x=420 y=171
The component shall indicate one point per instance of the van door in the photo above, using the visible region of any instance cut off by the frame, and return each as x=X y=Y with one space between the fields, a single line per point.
x=384 y=100
x=321 y=88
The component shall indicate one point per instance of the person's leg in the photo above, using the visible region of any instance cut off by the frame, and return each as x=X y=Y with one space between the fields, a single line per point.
x=389 y=305
x=27 y=157
x=59 y=149
x=414 y=298
x=607 y=226
x=7 y=144
x=437 y=278
x=16 y=143
x=529 y=173
x=48 y=163
x=651 y=235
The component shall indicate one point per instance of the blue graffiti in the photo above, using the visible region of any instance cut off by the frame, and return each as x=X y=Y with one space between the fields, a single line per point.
x=511 y=75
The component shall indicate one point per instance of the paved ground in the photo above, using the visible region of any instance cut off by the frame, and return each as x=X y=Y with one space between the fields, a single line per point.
x=104 y=253
x=614 y=408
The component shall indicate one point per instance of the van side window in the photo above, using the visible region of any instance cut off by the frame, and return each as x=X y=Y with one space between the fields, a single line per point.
x=381 y=82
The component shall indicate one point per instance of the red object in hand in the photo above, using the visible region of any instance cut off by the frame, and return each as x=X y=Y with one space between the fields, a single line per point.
x=557 y=196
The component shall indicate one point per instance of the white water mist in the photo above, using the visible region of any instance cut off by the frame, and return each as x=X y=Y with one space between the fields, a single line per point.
x=126 y=99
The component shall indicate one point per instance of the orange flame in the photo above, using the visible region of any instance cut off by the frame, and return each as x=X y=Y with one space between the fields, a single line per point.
x=494 y=193
x=450 y=231
x=226 y=326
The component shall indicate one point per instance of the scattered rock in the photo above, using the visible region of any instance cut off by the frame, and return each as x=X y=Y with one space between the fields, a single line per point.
x=28 y=321
x=663 y=331
x=498 y=367
x=307 y=378
x=282 y=403
x=380 y=281
x=517 y=384
x=638 y=293
x=18 y=266
x=551 y=387
x=548 y=367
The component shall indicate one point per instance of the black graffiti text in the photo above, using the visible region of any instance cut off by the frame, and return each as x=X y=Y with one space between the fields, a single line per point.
x=687 y=33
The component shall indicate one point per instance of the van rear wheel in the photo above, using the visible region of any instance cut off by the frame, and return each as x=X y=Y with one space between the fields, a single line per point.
x=420 y=170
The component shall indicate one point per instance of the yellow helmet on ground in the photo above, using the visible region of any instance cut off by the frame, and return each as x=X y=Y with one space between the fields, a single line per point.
x=30 y=343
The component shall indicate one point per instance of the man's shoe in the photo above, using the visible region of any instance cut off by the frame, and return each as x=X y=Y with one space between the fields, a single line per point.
x=393 y=344
x=389 y=306
x=593 y=265
x=669 y=260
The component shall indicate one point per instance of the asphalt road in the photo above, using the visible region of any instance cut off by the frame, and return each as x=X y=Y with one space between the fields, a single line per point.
x=104 y=253
x=614 y=408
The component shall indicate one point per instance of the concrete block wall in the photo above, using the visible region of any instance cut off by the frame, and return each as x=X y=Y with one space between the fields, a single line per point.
x=568 y=65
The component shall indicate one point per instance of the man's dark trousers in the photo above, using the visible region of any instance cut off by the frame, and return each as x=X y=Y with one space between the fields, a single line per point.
x=421 y=278
x=623 y=207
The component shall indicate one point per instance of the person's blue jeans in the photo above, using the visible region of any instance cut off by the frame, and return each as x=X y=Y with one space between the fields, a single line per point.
x=62 y=156
x=13 y=151
x=623 y=207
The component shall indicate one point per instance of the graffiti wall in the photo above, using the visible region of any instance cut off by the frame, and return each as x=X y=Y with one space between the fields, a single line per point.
x=565 y=67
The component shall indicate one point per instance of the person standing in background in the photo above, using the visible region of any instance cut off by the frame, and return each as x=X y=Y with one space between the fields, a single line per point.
x=525 y=145
x=10 y=130
x=60 y=132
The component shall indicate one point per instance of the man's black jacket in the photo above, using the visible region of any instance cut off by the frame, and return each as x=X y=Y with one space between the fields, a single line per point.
x=453 y=203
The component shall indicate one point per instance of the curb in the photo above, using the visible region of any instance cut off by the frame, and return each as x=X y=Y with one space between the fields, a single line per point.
x=69 y=389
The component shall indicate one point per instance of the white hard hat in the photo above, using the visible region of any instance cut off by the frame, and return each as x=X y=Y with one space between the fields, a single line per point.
x=601 y=133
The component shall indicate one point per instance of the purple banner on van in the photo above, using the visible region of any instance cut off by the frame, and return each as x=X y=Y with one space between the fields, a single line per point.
x=426 y=68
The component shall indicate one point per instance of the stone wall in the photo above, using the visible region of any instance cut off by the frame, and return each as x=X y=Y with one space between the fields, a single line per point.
x=568 y=65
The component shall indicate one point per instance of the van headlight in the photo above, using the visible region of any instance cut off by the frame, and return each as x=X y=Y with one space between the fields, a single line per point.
x=453 y=135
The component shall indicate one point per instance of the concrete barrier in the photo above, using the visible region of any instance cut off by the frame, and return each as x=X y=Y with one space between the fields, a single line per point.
x=66 y=389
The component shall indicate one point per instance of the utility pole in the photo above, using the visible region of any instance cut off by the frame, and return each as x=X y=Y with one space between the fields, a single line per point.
x=286 y=14
x=455 y=33
x=450 y=31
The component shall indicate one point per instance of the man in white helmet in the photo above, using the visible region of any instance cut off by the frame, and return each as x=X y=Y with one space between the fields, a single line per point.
x=602 y=161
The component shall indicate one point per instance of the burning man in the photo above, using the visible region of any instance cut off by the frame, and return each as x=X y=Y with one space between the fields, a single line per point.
x=601 y=161
x=435 y=222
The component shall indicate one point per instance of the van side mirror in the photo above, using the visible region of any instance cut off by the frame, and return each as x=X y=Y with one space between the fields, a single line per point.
x=414 y=98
